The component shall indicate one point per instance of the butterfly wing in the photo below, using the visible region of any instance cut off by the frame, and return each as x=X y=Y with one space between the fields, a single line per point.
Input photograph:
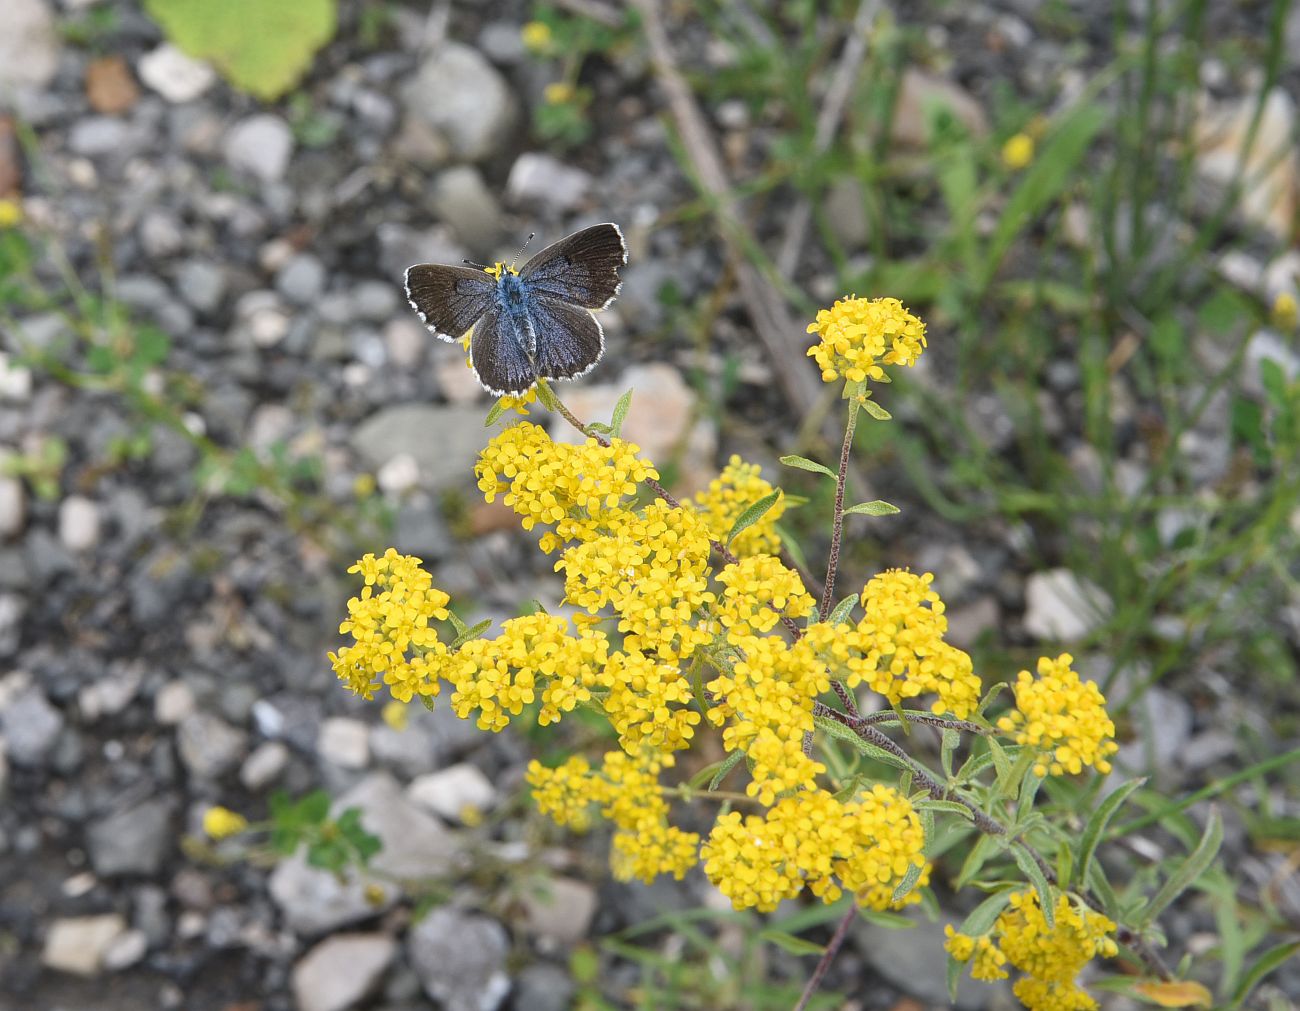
x=497 y=354
x=569 y=339
x=581 y=268
x=448 y=299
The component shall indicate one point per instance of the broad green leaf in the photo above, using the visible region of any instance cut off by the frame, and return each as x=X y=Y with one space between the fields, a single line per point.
x=263 y=46
x=1029 y=866
x=1092 y=832
x=1188 y=871
x=620 y=414
x=803 y=463
x=876 y=508
x=788 y=942
x=753 y=514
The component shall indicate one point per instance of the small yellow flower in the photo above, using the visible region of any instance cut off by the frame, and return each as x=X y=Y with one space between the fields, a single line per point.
x=536 y=36
x=1018 y=151
x=363 y=486
x=11 y=213
x=1285 y=311
x=558 y=93
x=221 y=822
x=395 y=714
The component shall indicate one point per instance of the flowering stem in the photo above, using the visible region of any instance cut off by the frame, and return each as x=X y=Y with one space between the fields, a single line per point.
x=828 y=956
x=837 y=531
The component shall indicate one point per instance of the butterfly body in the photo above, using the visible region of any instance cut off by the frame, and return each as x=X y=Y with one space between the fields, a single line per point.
x=530 y=323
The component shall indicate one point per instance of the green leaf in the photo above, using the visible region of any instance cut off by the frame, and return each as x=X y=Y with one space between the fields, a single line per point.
x=909 y=881
x=494 y=413
x=620 y=414
x=263 y=46
x=1265 y=964
x=788 y=942
x=950 y=740
x=729 y=763
x=840 y=614
x=715 y=772
x=803 y=463
x=314 y=808
x=947 y=806
x=1188 y=871
x=753 y=514
x=1092 y=832
x=546 y=396
x=885 y=918
x=456 y=623
x=839 y=731
x=876 y=508
x=1029 y=866
x=876 y=411
x=985 y=847
x=471 y=633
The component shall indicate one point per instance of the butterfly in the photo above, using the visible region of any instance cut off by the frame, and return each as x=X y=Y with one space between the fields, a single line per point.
x=528 y=323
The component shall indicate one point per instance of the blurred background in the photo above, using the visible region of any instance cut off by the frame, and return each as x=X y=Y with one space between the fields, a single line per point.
x=213 y=398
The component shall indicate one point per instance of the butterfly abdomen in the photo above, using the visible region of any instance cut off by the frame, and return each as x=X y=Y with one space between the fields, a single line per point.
x=512 y=295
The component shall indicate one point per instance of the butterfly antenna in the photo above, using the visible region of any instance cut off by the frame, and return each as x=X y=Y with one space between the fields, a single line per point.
x=523 y=247
x=471 y=263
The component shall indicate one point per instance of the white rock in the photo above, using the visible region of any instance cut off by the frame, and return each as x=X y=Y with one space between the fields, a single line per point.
x=1267 y=345
x=1270 y=174
x=173 y=702
x=541 y=179
x=29 y=45
x=460 y=959
x=341 y=970
x=344 y=742
x=415 y=844
x=126 y=950
x=264 y=766
x=560 y=909
x=13 y=506
x=15 y=380
x=398 y=475
x=174 y=75
x=1282 y=277
x=448 y=792
x=405 y=340
x=918 y=93
x=260 y=145
x=462 y=199
x=109 y=695
x=79 y=944
x=463 y=97
x=78 y=523
x=1062 y=605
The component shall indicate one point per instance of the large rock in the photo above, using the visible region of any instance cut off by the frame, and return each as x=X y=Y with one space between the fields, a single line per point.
x=462 y=200
x=341 y=970
x=1060 y=605
x=462 y=96
x=79 y=944
x=133 y=841
x=30 y=727
x=415 y=844
x=460 y=959
x=448 y=793
x=444 y=441
x=907 y=959
x=314 y=901
x=29 y=46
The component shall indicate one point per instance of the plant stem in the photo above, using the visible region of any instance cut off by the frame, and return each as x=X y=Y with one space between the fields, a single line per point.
x=837 y=531
x=828 y=956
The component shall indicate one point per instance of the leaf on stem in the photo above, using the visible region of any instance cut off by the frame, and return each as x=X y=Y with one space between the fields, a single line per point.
x=753 y=514
x=803 y=463
x=620 y=414
x=1188 y=871
x=876 y=411
x=875 y=508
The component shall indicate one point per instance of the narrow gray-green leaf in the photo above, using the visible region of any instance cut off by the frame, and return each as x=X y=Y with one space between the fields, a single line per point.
x=950 y=740
x=875 y=508
x=1092 y=832
x=982 y=917
x=985 y=846
x=803 y=463
x=471 y=633
x=494 y=413
x=1189 y=870
x=546 y=396
x=840 y=613
x=876 y=411
x=1265 y=964
x=620 y=413
x=839 y=731
x=1029 y=866
x=728 y=763
x=946 y=806
x=456 y=623
x=753 y=514
x=788 y=942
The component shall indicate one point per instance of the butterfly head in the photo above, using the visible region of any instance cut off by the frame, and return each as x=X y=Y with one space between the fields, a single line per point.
x=499 y=268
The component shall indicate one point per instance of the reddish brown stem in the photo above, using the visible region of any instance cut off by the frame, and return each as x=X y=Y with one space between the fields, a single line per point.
x=828 y=956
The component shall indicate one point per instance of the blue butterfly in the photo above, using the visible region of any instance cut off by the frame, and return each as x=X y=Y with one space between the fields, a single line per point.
x=528 y=323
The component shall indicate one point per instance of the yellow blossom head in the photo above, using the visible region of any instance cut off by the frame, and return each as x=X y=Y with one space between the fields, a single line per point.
x=558 y=93
x=11 y=213
x=1286 y=313
x=1018 y=151
x=1061 y=717
x=856 y=336
x=536 y=36
x=221 y=822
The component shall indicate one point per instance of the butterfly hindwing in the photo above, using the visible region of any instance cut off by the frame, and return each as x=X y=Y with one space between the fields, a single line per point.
x=448 y=299
x=569 y=339
x=496 y=351
x=581 y=269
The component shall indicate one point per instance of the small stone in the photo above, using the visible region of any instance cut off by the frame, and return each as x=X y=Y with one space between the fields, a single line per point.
x=133 y=841
x=110 y=88
x=264 y=766
x=968 y=622
x=543 y=987
x=15 y=380
x=846 y=214
x=174 y=75
x=263 y=318
x=30 y=727
x=460 y=959
x=126 y=950
x=375 y=300
x=96 y=136
x=29 y=45
x=201 y=283
x=399 y=475
x=79 y=944
x=415 y=844
x=544 y=181
x=561 y=909
x=463 y=97
x=160 y=234
x=405 y=340
x=462 y=200
x=918 y=94
x=344 y=742
x=314 y=901
x=108 y=696
x=301 y=279
x=13 y=506
x=341 y=971
x=1060 y=605
x=208 y=745
x=1233 y=143
x=260 y=145
x=173 y=702
x=449 y=792
x=78 y=523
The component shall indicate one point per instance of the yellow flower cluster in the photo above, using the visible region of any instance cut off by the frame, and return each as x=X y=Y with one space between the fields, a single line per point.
x=1061 y=717
x=1050 y=957
x=864 y=846
x=577 y=489
x=221 y=822
x=766 y=704
x=652 y=567
x=728 y=495
x=628 y=791
x=389 y=625
x=534 y=656
x=859 y=335
x=649 y=704
x=758 y=591
x=897 y=647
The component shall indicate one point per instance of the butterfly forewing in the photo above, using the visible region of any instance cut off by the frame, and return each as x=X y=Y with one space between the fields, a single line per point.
x=496 y=352
x=449 y=299
x=581 y=268
x=569 y=339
